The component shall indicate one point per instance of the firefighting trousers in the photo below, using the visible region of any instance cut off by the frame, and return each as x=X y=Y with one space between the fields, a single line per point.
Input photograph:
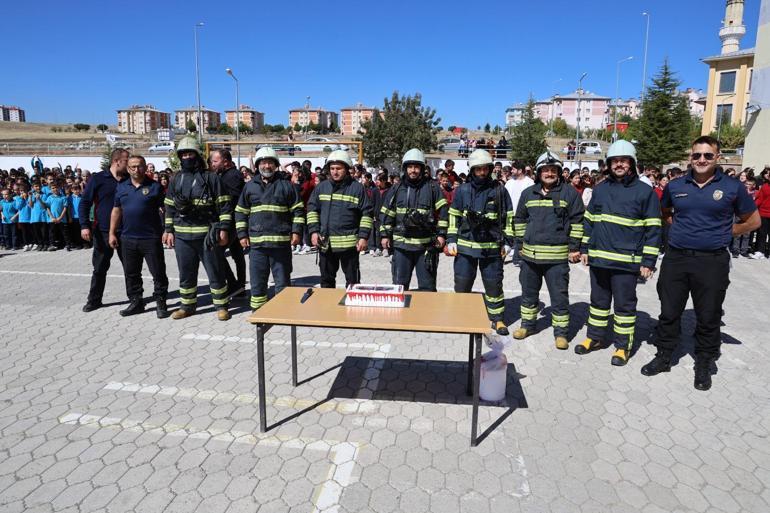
x=608 y=286
x=404 y=262
x=329 y=263
x=491 y=276
x=189 y=254
x=556 y=277
x=261 y=262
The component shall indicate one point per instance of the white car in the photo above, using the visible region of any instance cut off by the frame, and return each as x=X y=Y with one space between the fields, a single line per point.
x=588 y=148
x=320 y=144
x=161 y=147
x=449 y=144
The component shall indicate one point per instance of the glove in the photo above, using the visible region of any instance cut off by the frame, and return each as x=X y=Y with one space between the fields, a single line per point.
x=507 y=250
x=451 y=249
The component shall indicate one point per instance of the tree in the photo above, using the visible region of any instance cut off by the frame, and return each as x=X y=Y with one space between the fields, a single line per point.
x=451 y=128
x=496 y=129
x=297 y=127
x=81 y=127
x=528 y=137
x=102 y=127
x=663 y=129
x=562 y=129
x=487 y=128
x=402 y=124
x=243 y=128
x=224 y=129
x=731 y=136
x=333 y=128
x=191 y=126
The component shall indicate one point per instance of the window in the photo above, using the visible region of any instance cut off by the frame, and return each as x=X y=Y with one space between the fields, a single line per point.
x=724 y=114
x=727 y=82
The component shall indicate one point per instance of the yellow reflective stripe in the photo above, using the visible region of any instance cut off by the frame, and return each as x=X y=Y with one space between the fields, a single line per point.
x=477 y=245
x=494 y=311
x=312 y=217
x=598 y=311
x=219 y=291
x=269 y=238
x=388 y=212
x=411 y=240
x=338 y=197
x=598 y=322
x=225 y=217
x=298 y=220
x=186 y=301
x=343 y=237
x=622 y=330
x=625 y=319
x=200 y=202
x=169 y=221
x=366 y=222
x=269 y=208
x=495 y=299
x=220 y=301
x=223 y=198
x=168 y=201
x=544 y=203
x=191 y=290
x=529 y=309
x=585 y=239
x=616 y=257
x=520 y=229
x=404 y=210
x=588 y=215
x=443 y=224
x=623 y=221
x=241 y=209
x=653 y=221
x=560 y=321
x=650 y=250
x=298 y=204
x=440 y=203
x=241 y=224
x=454 y=212
x=257 y=301
x=191 y=229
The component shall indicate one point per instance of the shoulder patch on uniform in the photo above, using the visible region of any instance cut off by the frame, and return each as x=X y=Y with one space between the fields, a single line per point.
x=718 y=195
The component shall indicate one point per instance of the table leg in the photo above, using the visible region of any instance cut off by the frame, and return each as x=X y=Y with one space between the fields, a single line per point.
x=261 y=377
x=469 y=385
x=294 y=356
x=476 y=381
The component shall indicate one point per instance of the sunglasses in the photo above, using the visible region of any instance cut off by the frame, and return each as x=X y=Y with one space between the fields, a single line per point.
x=707 y=156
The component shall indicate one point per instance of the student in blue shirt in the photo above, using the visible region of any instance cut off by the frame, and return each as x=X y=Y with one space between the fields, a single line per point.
x=57 y=212
x=9 y=214
x=38 y=218
x=24 y=215
x=74 y=224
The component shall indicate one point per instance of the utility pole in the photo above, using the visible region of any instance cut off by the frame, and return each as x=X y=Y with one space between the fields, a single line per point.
x=199 y=127
x=644 y=67
x=577 y=130
x=237 y=114
x=617 y=97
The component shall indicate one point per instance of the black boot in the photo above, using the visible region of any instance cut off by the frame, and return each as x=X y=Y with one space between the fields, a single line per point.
x=702 y=372
x=161 y=310
x=136 y=306
x=90 y=306
x=661 y=363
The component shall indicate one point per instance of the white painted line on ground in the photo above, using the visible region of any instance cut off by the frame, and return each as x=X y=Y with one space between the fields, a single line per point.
x=327 y=496
x=379 y=350
x=78 y=275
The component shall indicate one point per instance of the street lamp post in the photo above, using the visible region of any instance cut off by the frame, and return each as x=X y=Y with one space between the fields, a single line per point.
x=237 y=114
x=577 y=129
x=198 y=83
x=644 y=67
x=550 y=129
x=617 y=97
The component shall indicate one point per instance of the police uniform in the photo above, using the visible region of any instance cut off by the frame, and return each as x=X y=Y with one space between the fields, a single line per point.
x=412 y=216
x=268 y=212
x=99 y=193
x=341 y=213
x=481 y=224
x=141 y=231
x=232 y=183
x=622 y=231
x=197 y=208
x=548 y=226
x=697 y=261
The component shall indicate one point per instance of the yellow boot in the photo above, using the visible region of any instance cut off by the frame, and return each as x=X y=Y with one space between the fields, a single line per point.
x=223 y=314
x=181 y=313
x=620 y=357
x=521 y=333
x=561 y=343
x=501 y=328
x=587 y=346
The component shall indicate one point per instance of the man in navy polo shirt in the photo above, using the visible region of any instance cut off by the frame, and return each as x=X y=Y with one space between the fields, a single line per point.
x=700 y=207
x=137 y=214
x=100 y=192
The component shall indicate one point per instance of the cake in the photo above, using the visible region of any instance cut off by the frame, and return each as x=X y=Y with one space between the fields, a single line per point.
x=390 y=296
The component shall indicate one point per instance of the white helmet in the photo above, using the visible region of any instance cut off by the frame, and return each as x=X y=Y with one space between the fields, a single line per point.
x=548 y=159
x=621 y=148
x=479 y=158
x=338 y=156
x=266 y=153
x=413 y=156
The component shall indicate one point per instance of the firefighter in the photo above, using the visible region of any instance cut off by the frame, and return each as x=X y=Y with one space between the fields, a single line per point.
x=339 y=218
x=480 y=233
x=548 y=226
x=269 y=219
x=414 y=223
x=198 y=218
x=621 y=238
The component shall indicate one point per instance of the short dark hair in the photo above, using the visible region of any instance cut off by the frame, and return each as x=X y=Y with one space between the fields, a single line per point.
x=449 y=161
x=117 y=153
x=707 y=139
x=224 y=153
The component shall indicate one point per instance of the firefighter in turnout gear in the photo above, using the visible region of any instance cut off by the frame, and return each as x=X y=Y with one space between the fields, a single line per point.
x=480 y=233
x=414 y=223
x=549 y=228
x=198 y=218
x=339 y=218
x=269 y=219
x=621 y=239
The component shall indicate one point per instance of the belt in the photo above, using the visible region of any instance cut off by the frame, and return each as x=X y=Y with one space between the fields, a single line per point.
x=697 y=252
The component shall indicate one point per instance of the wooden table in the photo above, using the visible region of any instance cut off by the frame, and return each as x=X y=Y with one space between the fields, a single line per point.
x=433 y=312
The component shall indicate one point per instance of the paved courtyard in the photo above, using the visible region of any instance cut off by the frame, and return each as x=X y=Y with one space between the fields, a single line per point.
x=102 y=413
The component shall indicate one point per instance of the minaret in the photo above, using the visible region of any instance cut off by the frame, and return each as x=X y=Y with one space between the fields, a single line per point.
x=733 y=28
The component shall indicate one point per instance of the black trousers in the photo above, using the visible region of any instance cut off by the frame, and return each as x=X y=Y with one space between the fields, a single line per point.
x=40 y=232
x=189 y=255
x=330 y=262
x=100 y=258
x=136 y=251
x=26 y=233
x=763 y=238
x=608 y=286
x=261 y=262
x=706 y=277
x=491 y=269
x=404 y=262
x=556 y=277
x=237 y=280
x=58 y=235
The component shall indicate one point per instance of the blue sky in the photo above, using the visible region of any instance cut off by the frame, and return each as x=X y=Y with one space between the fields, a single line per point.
x=79 y=61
